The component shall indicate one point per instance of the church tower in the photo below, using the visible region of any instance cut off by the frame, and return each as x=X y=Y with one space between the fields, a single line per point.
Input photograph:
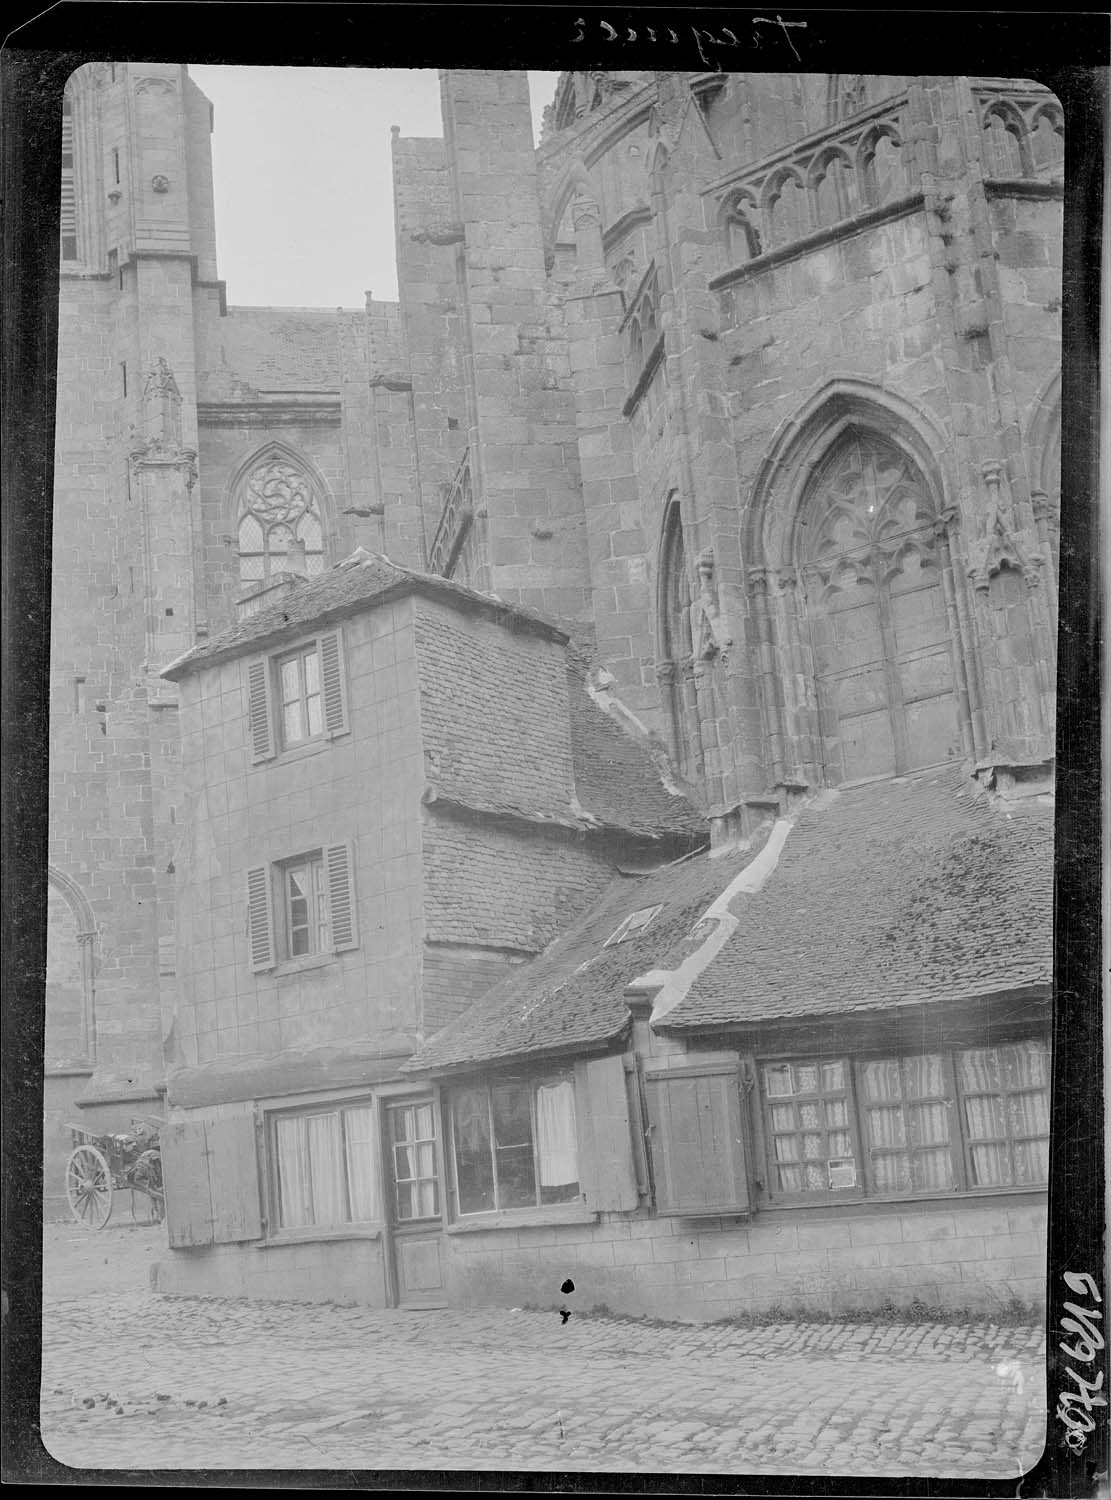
x=137 y=249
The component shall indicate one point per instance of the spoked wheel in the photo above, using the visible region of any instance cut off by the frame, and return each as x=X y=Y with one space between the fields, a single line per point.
x=89 y=1187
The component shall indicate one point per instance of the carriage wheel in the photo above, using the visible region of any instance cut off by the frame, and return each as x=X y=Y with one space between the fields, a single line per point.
x=89 y=1187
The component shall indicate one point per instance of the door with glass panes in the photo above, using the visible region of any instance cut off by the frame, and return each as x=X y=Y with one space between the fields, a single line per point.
x=413 y=1177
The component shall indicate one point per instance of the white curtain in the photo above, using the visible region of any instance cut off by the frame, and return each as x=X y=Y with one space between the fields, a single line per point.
x=292 y=1173
x=556 y=1143
x=327 y=1181
x=361 y=1175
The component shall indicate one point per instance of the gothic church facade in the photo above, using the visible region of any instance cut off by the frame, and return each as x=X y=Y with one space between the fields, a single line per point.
x=741 y=392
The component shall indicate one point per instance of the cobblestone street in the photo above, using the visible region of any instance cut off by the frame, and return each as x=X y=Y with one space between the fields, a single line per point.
x=132 y=1380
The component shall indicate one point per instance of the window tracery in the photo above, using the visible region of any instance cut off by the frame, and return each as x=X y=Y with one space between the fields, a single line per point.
x=277 y=506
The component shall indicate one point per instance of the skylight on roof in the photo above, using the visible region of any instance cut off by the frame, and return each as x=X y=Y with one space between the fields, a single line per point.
x=633 y=924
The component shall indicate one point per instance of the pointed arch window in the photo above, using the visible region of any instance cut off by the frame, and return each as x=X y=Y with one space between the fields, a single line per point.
x=880 y=629
x=277 y=506
x=676 y=641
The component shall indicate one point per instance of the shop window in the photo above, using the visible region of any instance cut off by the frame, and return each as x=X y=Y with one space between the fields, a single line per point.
x=515 y=1145
x=301 y=907
x=1005 y=1113
x=297 y=697
x=323 y=1167
x=919 y=1124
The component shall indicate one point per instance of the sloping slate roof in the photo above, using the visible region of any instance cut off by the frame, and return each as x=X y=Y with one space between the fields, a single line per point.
x=615 y=778
x=342 y=589
x=548 y=1006
x=897 y=893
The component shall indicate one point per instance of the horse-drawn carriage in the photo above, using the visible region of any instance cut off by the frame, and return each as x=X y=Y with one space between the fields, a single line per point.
x=100 y=1166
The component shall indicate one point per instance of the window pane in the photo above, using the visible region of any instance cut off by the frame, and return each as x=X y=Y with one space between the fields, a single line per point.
x=837 y=1112
x=806 y=1079
x=881 y=1081
x=891 y=1171
x=783 y=1117
x=1031 y=1161
x=250 y=535
x=840 y=1143
x=833 y=1076
x=929 y=1124
x=474 y=1166
x=1029 y=1114
x=358 y=1125
x=292 y=723
x=886 y=1127
x=810 y=1116
x=777 y=1080
x=991 y=1166
x=312 y=708
x=516 y=1178
x=422 y=1122
x=786 y=1148
x=406 y=1208
x=978 y=1070
x=933 y=1169
x=312 y=671
x=812 y=1147
x=984 y=1117
x=291 y=681
x=403 y=1163
x=790 y=1179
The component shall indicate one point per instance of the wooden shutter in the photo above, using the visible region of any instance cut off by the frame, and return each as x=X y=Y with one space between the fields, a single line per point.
x=260 y=918
x=341 y=896
x=236 y=1210
x=695 y=1127
x=333 y=687
x=185 y=1179
x=258 y=710
x=210 y=1173
x=606 y=1173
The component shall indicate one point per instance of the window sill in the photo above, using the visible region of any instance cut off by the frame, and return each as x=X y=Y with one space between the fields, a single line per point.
x=301 y=965
x=894 y=1201
x=319 y=1235
x=307 y=748
x=524 y=1218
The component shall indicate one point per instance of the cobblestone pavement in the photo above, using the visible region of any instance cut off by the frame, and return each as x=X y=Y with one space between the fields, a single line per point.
x=133 y=1380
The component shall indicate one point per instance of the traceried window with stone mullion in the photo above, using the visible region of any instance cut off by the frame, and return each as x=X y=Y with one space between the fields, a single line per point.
x=277 y=507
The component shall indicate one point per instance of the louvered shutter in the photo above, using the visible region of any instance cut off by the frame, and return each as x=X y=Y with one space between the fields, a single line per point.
x=258 y=710
x=332 y=685
x=260 y=918
x=606 y=1172
x=696 y=1130
x=341 y=896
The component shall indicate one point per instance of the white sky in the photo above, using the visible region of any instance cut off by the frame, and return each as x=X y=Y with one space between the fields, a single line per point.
x=303 y=180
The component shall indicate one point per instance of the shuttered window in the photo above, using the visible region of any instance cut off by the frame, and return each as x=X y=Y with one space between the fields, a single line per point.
x=296 y=697
x=607 y=1167
x=302 y=907
x=697 y=1140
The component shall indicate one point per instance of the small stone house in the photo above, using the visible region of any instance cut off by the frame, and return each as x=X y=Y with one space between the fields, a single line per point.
x=468 y=1006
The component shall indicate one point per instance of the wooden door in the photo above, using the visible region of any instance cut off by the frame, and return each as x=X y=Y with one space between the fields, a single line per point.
x=413 y=1172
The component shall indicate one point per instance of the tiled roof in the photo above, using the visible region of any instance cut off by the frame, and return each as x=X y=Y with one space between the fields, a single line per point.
x=343 y=589
x=894 y=893
x=616 y=779
x=553 y=1003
